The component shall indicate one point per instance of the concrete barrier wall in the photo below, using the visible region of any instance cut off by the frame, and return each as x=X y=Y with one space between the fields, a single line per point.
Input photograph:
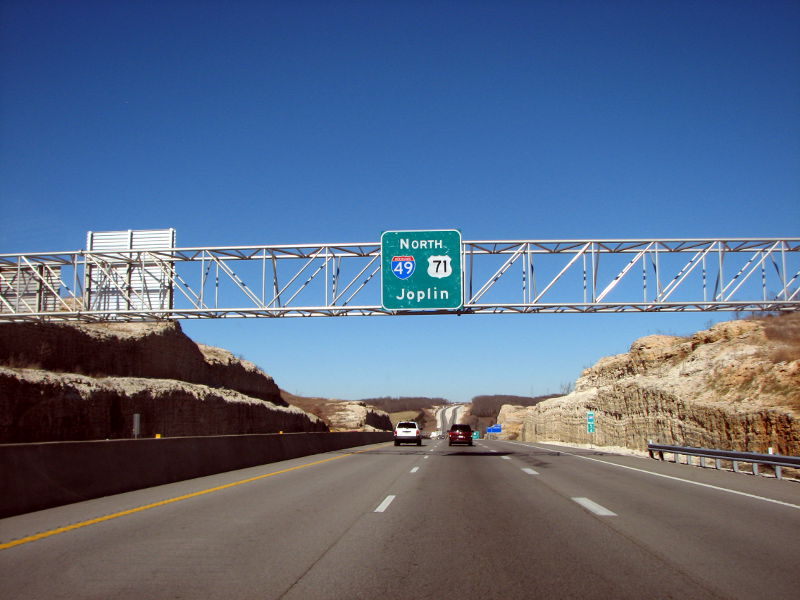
x=38 y=476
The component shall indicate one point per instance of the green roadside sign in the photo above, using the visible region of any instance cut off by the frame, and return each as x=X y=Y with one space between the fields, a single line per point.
x=421 y=270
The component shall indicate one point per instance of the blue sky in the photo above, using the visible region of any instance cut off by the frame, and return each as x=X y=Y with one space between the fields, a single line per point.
x=329 y=122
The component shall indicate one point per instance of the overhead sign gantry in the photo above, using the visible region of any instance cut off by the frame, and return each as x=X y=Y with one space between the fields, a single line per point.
x=407 y=273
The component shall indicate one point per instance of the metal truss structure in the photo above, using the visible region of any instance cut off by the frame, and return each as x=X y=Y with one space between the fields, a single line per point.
x=527 y=276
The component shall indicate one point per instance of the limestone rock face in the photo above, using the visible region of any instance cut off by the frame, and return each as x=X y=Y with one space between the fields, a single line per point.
x=349 y=416
x=156 y=350
x=37 y=405
x=511 y=417
x=735 y=386
x=86 y=381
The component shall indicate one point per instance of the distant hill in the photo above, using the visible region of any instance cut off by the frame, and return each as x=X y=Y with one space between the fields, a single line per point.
x=403 y=403
x=489 y=406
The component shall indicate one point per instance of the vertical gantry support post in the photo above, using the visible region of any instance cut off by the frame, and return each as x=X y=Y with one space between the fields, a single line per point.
x=657 y=267
x=327 y=276
x=783 y=273
x=525 y=277
x=720 y=275
x=337 y=266
x=585 y=281
x=263 y=277
x=216 y=284
x=276 y=295
x=471 y=270
x=705 y=279
x=595 y=269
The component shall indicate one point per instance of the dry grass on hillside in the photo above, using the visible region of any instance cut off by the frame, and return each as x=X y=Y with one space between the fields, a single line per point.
x=320 y=407
x=405 y=415
x=783 y=332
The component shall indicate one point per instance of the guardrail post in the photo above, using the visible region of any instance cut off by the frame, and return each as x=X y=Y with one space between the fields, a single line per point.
x=755 y=460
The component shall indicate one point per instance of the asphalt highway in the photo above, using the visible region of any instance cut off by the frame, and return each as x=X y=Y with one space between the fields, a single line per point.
x=495 y=520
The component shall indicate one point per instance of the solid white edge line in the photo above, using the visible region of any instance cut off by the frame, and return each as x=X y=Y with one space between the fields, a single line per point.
x=600 y=511
x=705 y=485
x=530 y=471
x=385 y=504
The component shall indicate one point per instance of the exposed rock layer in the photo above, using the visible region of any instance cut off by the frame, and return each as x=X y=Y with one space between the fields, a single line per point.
x=353 y=415
x=39 y=406
x=156 y=350
x=86 y=381
x=735 y=386
x=343 y=415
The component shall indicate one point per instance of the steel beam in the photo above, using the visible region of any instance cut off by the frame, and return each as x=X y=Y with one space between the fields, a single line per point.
x=309 y=280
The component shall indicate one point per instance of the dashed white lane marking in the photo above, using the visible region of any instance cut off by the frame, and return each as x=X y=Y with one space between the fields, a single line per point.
x=415 y=469
x=601 y=511
x=426 y=457
x=705 y=485
x=531 y=471
x=385 y=504
x=506 y=457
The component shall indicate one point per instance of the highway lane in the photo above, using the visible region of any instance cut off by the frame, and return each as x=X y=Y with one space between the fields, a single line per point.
x=494 y=520
x=447 y=416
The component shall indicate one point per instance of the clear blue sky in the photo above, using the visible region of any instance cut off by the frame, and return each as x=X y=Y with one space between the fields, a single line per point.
x=308 y=122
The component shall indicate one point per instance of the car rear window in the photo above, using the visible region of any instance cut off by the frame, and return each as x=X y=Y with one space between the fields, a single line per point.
x=407 y=425
x=460 y=428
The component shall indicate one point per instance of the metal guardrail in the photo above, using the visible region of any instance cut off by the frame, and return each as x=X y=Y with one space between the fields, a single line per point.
x=774 y=460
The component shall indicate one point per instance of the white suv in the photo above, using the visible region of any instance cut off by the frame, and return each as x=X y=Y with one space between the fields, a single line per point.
x=407 y=432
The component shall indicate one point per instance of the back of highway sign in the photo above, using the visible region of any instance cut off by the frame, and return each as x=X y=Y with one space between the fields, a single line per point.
x=421 y=270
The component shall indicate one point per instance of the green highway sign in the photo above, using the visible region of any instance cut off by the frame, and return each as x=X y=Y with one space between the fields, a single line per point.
x=421 y=270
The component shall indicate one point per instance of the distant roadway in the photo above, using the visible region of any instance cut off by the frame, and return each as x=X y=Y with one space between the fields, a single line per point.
x=448 y=415
x=496 y=520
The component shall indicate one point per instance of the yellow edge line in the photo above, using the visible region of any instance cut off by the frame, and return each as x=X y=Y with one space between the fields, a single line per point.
x=52 y=532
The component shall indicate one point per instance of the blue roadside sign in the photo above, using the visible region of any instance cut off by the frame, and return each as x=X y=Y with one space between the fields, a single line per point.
x=494 y=429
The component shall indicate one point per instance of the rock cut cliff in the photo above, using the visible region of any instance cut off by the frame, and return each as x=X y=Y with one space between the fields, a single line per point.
x=87 y=381
x=734 y=386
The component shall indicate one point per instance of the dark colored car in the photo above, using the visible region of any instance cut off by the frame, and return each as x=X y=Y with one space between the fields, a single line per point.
x=460 y=434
